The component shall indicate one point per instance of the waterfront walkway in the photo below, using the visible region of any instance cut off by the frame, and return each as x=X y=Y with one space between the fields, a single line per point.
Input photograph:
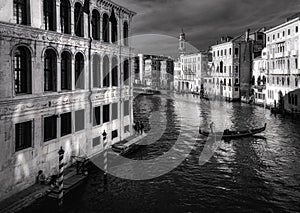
x=29 y=195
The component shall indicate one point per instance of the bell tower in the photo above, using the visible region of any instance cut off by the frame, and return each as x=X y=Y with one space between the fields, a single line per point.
x=182 y=47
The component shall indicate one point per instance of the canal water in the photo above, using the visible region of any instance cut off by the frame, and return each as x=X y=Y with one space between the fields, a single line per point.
x=257 y=174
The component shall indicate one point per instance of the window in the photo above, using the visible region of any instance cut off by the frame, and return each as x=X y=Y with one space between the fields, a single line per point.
x=22 y=70
x=283 y=34
x=125 y=34
x=296 y=29
x=288 y=81
x=96 y=116
x=126 y=72
x=23 y=135
x=105 y=28
x=126 y=129
x=96 y=25
x=106 y=115
x=114 y=134
x=114 y=70
x=283 y=81
x=296 y=82
x=274 y=37
x=114 y=27
x=21 y=15
x=65 y=16
x=78 y=20
x=96 y=141
x=236 y=51
x=268 y=38
x=66 y=71
x=106 y=77
x=236 y=89
x=221 y=67
x=296 y=100
x=126 y=108
x=79 y=120
x=96 y=72
x=50 y=65
x=66 y=124
x=296 y=63
x=229 y=51
x=50 y=15
x=115 y=111
x=79 y=71
x=50 y=128
x=289 y=32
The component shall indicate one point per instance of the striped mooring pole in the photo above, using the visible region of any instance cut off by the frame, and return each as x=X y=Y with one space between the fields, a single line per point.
x=104 y=134
x=61 y=153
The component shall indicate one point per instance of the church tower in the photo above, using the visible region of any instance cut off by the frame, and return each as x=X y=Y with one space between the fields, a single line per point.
x=182 y=47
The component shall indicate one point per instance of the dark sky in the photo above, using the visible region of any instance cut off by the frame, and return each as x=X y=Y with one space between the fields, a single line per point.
x=205 y=21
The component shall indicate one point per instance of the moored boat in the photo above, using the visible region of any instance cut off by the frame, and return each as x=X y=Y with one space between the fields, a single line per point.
x=227 y=134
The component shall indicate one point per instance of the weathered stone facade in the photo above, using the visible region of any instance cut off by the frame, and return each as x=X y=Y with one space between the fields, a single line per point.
x=18 y=169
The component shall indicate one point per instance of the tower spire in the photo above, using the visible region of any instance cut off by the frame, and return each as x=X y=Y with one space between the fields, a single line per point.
x=182 y=47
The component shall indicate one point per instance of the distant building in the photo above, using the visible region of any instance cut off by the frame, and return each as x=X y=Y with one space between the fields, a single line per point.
x=192 y=67
x=232 y=64
x=154 y=71
x=282 y=51
x=259 y=79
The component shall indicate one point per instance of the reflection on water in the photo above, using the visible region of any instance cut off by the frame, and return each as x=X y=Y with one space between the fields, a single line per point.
x=260 y=174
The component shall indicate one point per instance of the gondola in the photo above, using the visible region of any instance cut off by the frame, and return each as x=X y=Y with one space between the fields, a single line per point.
x=227 y=134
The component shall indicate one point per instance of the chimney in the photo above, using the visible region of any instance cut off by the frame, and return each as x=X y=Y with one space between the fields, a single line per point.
x=247 y=35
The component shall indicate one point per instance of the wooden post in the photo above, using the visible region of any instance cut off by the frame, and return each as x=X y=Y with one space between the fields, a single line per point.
x=61 y=177
x=104 y=134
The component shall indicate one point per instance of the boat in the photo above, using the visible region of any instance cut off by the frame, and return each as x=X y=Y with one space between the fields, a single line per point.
x=122 y=149
x=227 y=134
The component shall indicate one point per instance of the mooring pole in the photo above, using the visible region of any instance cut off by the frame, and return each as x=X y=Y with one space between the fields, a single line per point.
x=61 y=177
x=104 y=134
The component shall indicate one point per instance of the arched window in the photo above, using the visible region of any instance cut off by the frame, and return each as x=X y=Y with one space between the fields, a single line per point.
x=106 y=73
x=114 y=72
x=79 y=71
x=105 y=28
x=22 y=70
x=96 y=25
x=66 y=70
x=114 y=27
x=78 y=18
x=50 y=64
x=50 y=15
x=125 y=33
x=21 y=12
x=126 y=72
x=65 y=16
x=96 y=72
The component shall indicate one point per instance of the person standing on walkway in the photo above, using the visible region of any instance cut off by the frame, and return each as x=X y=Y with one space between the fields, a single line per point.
x=212 y=127
x=137 y=127
x=142 y=128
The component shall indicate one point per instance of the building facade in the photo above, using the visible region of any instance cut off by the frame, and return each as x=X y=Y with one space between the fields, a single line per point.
x=154 y=71
x=58 y=86
x=259 y=79
x=232 y=64
x=282 y=51
x=192 y=68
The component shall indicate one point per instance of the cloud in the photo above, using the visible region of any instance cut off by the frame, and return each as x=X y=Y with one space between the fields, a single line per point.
x=205 y=21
